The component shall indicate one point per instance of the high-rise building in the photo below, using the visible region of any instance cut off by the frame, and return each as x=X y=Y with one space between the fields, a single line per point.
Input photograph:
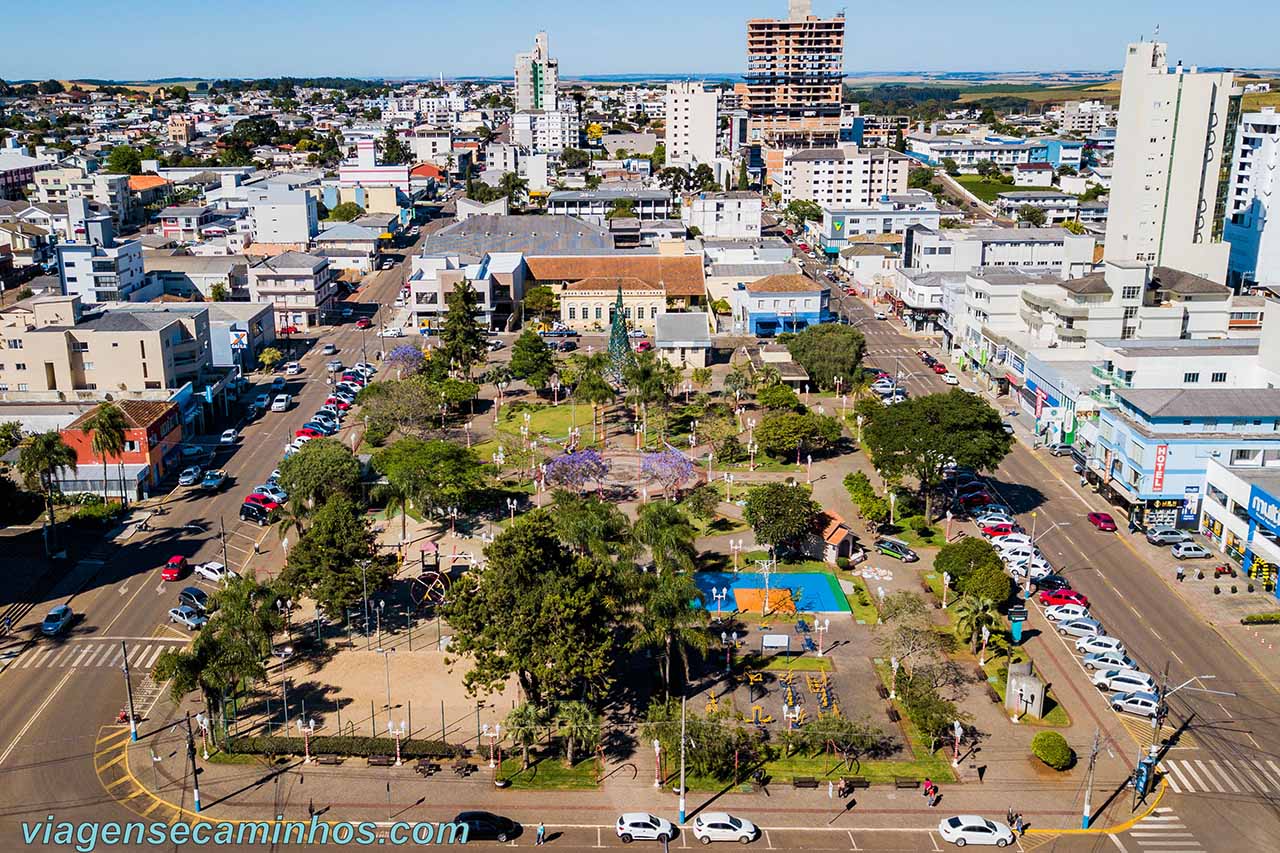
x=1172 y=168
x=1253 y=233
x=691 y=123
x=795 y=68
x=536 y=77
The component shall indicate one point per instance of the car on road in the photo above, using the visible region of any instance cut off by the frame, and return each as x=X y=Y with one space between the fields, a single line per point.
x=1167 y=536
x=1108 y=660
x=278 y=384
x=281 y=403
x=487 y=826
x=334 y=366
x=1127 y=680
x=229 y=436
x=188 y=617
x=493 y=344
x=213 y=479
x=1092 y=645
x=643 y=826
x=974 y=829
x=329 y=349
x=255 y=514
x=262 y=401
x=950 y=379
x=891 y=547
x=175 y=568
x=190 y=476
x=939 y=368
x=1058 y=449
x=1103 y=521
x=722 y=826
x=1007 y=427
x=1190 y=551
x=363 y=323
x=644 y=346
x=1080 y=628
x=1138 y=703
x=292 y=368
x=1052 y=582
x=194 y=597
x=57 y=620
x=880 y=315
x=1065 y=612
x=264 y=501
x=214 y=572
x=1054 y=597
x=391 y=332
x=562 y=346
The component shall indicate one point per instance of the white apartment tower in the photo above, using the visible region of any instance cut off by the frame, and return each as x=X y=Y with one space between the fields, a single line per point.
x=536 y=77
x=691 y=122
x=1253 y=233
x=1168 y=196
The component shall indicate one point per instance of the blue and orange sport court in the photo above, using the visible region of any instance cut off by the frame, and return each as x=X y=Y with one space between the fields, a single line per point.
x=789 y=592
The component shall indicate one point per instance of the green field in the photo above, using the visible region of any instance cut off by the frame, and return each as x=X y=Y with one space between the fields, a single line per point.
x=987 y=190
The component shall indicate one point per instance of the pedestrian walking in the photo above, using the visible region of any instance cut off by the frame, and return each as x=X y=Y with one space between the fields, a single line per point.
x=1008 y=816
x=1018 y=824
x=933 y=796
x=257 y=549
x=928 y=787
x=8 y=624
x=541 y=838
x=1181 y=574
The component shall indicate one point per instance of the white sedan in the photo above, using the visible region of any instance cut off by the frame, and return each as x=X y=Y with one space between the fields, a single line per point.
x=1099 y=644
x=974 y=829
x=722 y=826
x=215 y=572
x=229 y=437
x=950 y=379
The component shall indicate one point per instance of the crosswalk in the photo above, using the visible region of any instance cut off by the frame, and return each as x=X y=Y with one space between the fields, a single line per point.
x=142 y=656
x=1162 y=831
x=1242 y=777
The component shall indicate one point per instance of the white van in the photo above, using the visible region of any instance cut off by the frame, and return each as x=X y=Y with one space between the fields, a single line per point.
x=391 y=332
x=281 y=403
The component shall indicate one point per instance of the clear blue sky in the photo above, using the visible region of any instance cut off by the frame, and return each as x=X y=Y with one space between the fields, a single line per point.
x=140 y=39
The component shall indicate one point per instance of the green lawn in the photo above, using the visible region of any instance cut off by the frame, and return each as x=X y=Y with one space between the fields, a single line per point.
x=904 y=529
x=987 y=190
x=797 y=662
x=549 y=774
x=862 y=604
x=875 y=772
x=552 y=421
x=1054 y=714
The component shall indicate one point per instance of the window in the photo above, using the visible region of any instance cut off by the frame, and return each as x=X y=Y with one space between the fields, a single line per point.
x=1130 y=293
x=14 y=343
x=1190 y=378
x=1218 y=377
x=22 y=386
x=573 y=312
x=20 y=365
x=598 y=312
x=88 y=365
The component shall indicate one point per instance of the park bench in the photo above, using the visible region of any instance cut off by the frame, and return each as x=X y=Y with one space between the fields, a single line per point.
x=382 y=760
x=328 y=759
x=804 y=782
x=893 y=715
x=426 y=767
x=882 y=691
x=852 y=783
x=900 y=782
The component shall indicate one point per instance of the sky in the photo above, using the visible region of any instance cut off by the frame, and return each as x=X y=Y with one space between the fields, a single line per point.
x=147 y=39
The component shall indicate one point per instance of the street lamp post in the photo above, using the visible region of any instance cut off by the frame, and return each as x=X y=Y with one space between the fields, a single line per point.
x=306 y=727
x=946 y=585
x=657 y=763
x=752 y=447
x=555 y=390
x=397 y=733
x=808 y=469
x=728 y=485
x=719 y=595
x=894 y=663
x=982 y=656
x=893 y=505
x=511 y=505
x=128 y=691
x=492 y=733
x=683 y=741
x=386 y=668
x=821 y=628
x=958 y=731
x=728 y=641
x=735 y=545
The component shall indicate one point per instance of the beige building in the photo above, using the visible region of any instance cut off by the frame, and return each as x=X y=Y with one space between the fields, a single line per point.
x=302 y=287
x=589 y=305
x=844 y=176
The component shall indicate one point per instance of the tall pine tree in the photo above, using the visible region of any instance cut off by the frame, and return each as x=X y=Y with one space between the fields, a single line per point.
x=461 y=339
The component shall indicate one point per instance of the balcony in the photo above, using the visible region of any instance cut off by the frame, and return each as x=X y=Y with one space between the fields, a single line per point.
x=1102 y=372
x=1102 y=396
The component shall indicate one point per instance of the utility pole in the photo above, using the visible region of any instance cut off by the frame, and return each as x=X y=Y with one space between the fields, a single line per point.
x=1162 y=711
x=191 y=756
x=1087 y=816
x=682 y=743
x=128 y=690
x=222 y=524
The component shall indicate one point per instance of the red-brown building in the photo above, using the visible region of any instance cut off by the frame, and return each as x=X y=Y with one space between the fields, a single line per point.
x=152 y=439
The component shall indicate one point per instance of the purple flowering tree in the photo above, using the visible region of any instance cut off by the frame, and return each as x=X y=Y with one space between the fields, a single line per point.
x=576 y=470
x=670 y=468
x=405 y=358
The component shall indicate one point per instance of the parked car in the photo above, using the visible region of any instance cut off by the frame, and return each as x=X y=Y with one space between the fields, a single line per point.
x=1108 y=660
x=1099 y=643
x=1190 y=551
x=1007 y=427
x=280 y=403
x=1013 y=542
x=194 y=597
x=272 y=491
x=262 y=401
x=493 y=344
x=308 y=432
x=1127 y=680
x=258 y=515
x=1052 y=582
x=215 y=572
x=188 y=617
x=213 y=479
x=1055 y=597
x=292 y=368
x=973 y=829
x=486 y=826
x=175 y=568
x=229 y=436
x=264 y=501
x=326 y=428
x=391 y=332
x=363 y=323
x=939 y=368
x=998 y=530
x=722 y=826
x=950 y=379
x=896 y=397
x=1065 y=612
x=57 y=620
x=190 y=476
x=1080 y=628
x=1034 y=568
x=1058 y=449
x=643 y=826
x=1167 y=536
x=896 y=548
x=337 y=402
x=990 y=519
x=1140 y=703
x=328 y=349
x=1102 y=520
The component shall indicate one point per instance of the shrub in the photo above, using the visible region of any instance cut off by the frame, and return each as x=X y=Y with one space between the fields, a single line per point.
x=96 y=513
x=1261 y=619
x=377 y=433
x=842 y=562
x=1053 y=749
x=346 y=745
x=987 y=581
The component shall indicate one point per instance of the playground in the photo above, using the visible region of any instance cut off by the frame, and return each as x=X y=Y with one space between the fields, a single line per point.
x=788 y=592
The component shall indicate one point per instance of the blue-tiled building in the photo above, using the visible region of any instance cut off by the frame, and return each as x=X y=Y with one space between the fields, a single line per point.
x=780 y=303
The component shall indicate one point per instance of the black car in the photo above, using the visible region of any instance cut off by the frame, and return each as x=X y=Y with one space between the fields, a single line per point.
x=1052 y=582
x=486 y=826
x=195 y=598
x=260 y=516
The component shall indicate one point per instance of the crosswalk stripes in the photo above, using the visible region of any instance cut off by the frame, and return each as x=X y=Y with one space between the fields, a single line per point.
x=90 y=655
x=1162 y=831
x=1248 y=777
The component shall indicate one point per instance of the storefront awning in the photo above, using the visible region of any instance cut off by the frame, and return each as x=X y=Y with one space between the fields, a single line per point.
x=1014 y=379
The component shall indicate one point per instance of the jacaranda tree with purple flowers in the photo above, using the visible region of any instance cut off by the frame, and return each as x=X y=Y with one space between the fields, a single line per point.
x=670 y=468
x=405 y=358
x=576 y=470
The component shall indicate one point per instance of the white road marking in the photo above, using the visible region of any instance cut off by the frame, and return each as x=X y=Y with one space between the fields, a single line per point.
x=30 y=722
x=155 y=653
x=79 y=658
x=1116 y=842
x=1172 y=772
x=1191 y=774
x=1209 y=776
x=1226 y=777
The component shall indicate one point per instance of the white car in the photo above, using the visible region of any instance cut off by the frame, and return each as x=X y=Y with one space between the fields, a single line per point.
x=1127 y=680
x=1141 y=704
x=1063 y=612
x=190 y=476
x=1080 y=628
x=1108 y=660
x=974 y=829
x=272 y=491
x=229 y=436
x=1190 y=551
x=896 y=397
x=215 y=572
x=292 y=368
x=280 y=403
x=880 y=315
x=391 y=332
x=1012 y=542
x=950 y=379
x=1019 y=553
x=187 y=615
x=1093 y=645
x=722 y=826
x=644 y=826
x=1035 y=568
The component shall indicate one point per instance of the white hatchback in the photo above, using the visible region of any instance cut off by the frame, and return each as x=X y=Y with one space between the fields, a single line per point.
x=1063 y=612
x=644 y=826
x=722 y=826
x=1099 y=644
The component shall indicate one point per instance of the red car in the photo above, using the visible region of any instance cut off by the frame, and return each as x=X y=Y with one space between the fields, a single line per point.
x=337 y=403
x=309 y=433
x=175 y=568
x=363 y=323
x=995 y=531
x=644 y=346
x=804 y=247
x=939 y=368
x=263 y=501
x=976 y=499
x=1103 y=521
x=289 y=330
x=1051 y=597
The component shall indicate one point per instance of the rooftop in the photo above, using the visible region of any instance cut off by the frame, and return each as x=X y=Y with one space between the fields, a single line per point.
x=1199 y=403
x=682 y=329
x=477 y=236
x=679 y=275
x=786 y=283
x=611 y=283
x=291 y=261
x=1157 y=348
x=138 y=414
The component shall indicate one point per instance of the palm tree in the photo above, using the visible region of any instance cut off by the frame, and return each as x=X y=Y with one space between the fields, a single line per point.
x=701 y=378
x=106 y=425
x=650 y=380
x=735 y=381
x=514 y=187
x=524 y=724
x=670 y=617
x=397 y=499
x=664 y=529
x=578 y=725
x=972 y=614
x=768 y=376
x=42 y=456
x=290 y=517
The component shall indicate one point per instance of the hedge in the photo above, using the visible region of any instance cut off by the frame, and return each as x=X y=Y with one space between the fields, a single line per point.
x=1261 y=619
x=344 y=745
x=1053 y=749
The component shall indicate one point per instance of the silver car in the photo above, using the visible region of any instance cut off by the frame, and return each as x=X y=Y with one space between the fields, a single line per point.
x=1167 y=536
x=1141 y=704
x=186 y=615
x=190 y=476
x=1190 y=551
x=1128 y=680
x=1080 y=628
x=1108 y=660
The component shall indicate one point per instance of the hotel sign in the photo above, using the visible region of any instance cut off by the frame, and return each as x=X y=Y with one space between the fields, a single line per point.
x=1265 y=509
x=1157 y=478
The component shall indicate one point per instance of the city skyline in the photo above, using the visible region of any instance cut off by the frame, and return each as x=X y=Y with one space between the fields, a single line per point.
x=320 y=42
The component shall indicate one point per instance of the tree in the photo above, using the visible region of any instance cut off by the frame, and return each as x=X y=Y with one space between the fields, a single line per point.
x=524 y=726
x=592 y=388
x=784 y=435
x=905 y=632
x=592 y=181
x=41 y=460
x=323 y=468
x=541 y=302
x=326 y=561
x=1093 y=192
x=675 y=179
x=346 y=211
x=434 y=474
x=701 y=378
x=827 y=351
x=106 y=426
x=532 y=360
x=575 y=158
x=665 y=530
x=394 y=151
x=577 y=469
x=405 y=358
x=461 y=339
x=989 y=583
x=986 y=168
x=51 y=87
x=744 y=182
x=780 y=515
x=919 y=178
x=622 y=208
x=704 y=178
x=702 y=501
x=1052 y=748
x=778 y=398
x=178 y=93
x=972 y=614
x=578 y=725
x=1075 y=226
x=670 y=468
x=1032 y=215
x=591 y=526
x=291 y=518
x=658 y=158
x=270 y=357
x=10 y=436
x=556 y=631
x=849 y=738
x=219 y=292
x=514 y=188
x=124 y=160
x=801 y=211
x=923 y=435
x=670 y=617
x=962 y=558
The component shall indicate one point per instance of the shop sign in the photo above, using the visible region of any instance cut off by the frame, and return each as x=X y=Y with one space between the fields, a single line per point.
x=1162 y=457
x=1265 y=508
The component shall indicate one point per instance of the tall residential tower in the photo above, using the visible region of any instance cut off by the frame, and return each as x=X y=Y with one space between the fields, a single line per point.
x=536 y=77
x=691 y=123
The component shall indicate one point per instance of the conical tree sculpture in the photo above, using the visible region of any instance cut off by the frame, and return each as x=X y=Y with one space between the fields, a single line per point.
x=619 y=342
